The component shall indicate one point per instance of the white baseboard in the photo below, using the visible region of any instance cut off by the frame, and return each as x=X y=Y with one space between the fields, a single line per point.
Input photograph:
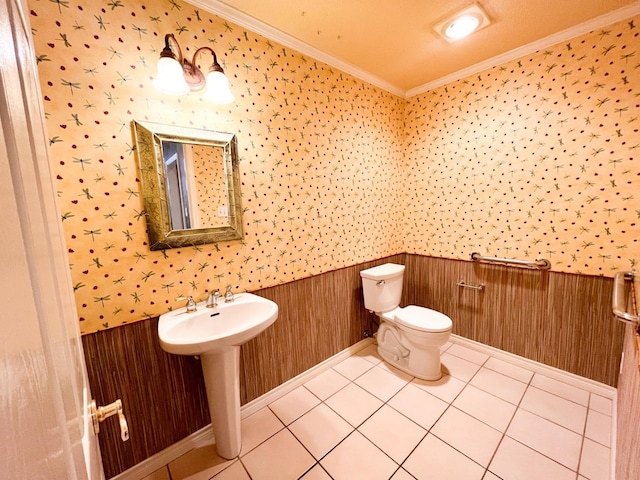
x=592 y=386
x=537 y=367
x=281 y=390
x=205 y=434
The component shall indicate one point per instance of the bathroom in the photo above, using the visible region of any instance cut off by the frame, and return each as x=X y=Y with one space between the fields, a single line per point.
x=532 y=158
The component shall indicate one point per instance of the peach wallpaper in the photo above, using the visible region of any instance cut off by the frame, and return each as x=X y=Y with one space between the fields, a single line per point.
x=534 y=158
x=320 y=153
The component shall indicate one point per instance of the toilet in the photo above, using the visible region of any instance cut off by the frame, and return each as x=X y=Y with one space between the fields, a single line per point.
x=409 y=338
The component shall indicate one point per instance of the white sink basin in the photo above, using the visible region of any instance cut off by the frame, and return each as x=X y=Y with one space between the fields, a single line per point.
x=216 y=334
x=211 y=329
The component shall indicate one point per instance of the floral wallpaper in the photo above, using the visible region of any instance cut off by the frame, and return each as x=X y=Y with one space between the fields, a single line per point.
x=320 y=152
x=535 y=158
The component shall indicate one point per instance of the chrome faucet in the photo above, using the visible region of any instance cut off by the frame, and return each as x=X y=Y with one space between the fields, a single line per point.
x=212 y=300
x=191 y=304
x=228 y=295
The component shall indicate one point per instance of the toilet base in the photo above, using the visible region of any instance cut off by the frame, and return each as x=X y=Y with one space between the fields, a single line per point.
x=401 y=364
x=423 y=363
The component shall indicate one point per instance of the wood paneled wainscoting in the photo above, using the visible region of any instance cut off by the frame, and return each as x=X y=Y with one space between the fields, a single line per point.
x=163 y=395
x=559 y=319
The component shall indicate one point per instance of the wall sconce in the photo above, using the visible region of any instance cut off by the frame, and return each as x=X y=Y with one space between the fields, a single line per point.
x=179 y=76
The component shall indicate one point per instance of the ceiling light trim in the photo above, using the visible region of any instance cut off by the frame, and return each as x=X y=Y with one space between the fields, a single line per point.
x=229 y=13
x=472 y=12
x=246 y=21
x=567 y=34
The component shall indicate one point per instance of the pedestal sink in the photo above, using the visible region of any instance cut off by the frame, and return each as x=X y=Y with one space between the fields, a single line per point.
x=216 y=334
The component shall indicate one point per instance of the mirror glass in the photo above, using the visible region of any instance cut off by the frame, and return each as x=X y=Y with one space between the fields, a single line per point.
x=190 y=185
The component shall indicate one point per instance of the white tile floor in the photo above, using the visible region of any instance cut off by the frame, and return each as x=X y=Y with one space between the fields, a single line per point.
x=485 y=419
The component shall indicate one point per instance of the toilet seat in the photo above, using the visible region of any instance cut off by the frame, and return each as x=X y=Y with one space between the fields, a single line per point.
x=423 y=319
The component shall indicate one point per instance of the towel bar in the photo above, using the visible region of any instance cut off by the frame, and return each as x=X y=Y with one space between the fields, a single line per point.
x=461 y=283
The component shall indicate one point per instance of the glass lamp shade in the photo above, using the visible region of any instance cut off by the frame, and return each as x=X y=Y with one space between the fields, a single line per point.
x=170 y=77
x=218 y=90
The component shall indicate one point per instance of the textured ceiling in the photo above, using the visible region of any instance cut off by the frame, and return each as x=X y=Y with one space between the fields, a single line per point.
x=393 y=41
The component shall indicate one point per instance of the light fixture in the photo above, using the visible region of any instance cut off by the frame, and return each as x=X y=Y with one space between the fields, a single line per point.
x=179 y=76
x=462 y=23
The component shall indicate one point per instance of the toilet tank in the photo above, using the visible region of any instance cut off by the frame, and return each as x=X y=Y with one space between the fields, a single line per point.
x=382 y=287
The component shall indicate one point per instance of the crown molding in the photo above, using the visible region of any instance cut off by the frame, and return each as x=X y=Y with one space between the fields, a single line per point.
x=217 y=7
x=229 y=13
x=575 y=31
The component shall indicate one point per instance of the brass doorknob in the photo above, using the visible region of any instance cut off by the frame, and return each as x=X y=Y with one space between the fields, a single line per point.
x=100 y=414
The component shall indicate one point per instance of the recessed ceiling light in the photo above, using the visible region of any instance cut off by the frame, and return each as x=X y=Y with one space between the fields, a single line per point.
x=462 y=23
x=461 y=27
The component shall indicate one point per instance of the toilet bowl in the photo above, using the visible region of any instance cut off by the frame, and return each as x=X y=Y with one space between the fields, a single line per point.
x=409 y=338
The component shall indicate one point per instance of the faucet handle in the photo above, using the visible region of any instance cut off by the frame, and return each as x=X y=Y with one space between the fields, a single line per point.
x=212 y=300
x=228 y=295
x=191 y=304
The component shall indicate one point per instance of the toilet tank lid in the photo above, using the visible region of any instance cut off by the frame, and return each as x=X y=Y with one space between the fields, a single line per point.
x=386 y=270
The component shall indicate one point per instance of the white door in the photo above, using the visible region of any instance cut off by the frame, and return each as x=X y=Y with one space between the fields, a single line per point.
x=45 y=433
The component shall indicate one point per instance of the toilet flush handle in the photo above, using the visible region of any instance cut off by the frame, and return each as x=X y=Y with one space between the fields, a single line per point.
x=380 y=283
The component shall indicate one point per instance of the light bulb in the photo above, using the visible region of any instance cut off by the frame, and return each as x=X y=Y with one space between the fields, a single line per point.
x=170 y=77
x=462 y=26
x=218 y=90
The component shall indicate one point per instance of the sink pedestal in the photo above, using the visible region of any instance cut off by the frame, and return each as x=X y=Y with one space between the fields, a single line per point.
x=221 y=371
x=216 y=335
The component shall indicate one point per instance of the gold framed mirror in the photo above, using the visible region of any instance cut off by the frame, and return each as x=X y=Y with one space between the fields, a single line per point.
x=190 y=185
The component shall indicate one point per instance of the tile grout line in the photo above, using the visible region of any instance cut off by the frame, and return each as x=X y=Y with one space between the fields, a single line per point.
x=577 y=474
x=322 y=402
x=554 y=394
x=518 y=406
x=467 y=383
x=553 y=421
x=400 y=465
x=317 y=461
x=243 y=467
x=504 y=434
x=584 y=437
x=356 y=429
x=429 y=430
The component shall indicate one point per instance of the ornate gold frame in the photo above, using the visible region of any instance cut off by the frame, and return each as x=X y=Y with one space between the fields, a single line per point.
x=149 y=137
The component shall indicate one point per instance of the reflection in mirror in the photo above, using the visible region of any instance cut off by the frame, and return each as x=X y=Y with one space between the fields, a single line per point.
x=177 y=190
x=190 y=185
x=209 y=171
x=196 y=186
